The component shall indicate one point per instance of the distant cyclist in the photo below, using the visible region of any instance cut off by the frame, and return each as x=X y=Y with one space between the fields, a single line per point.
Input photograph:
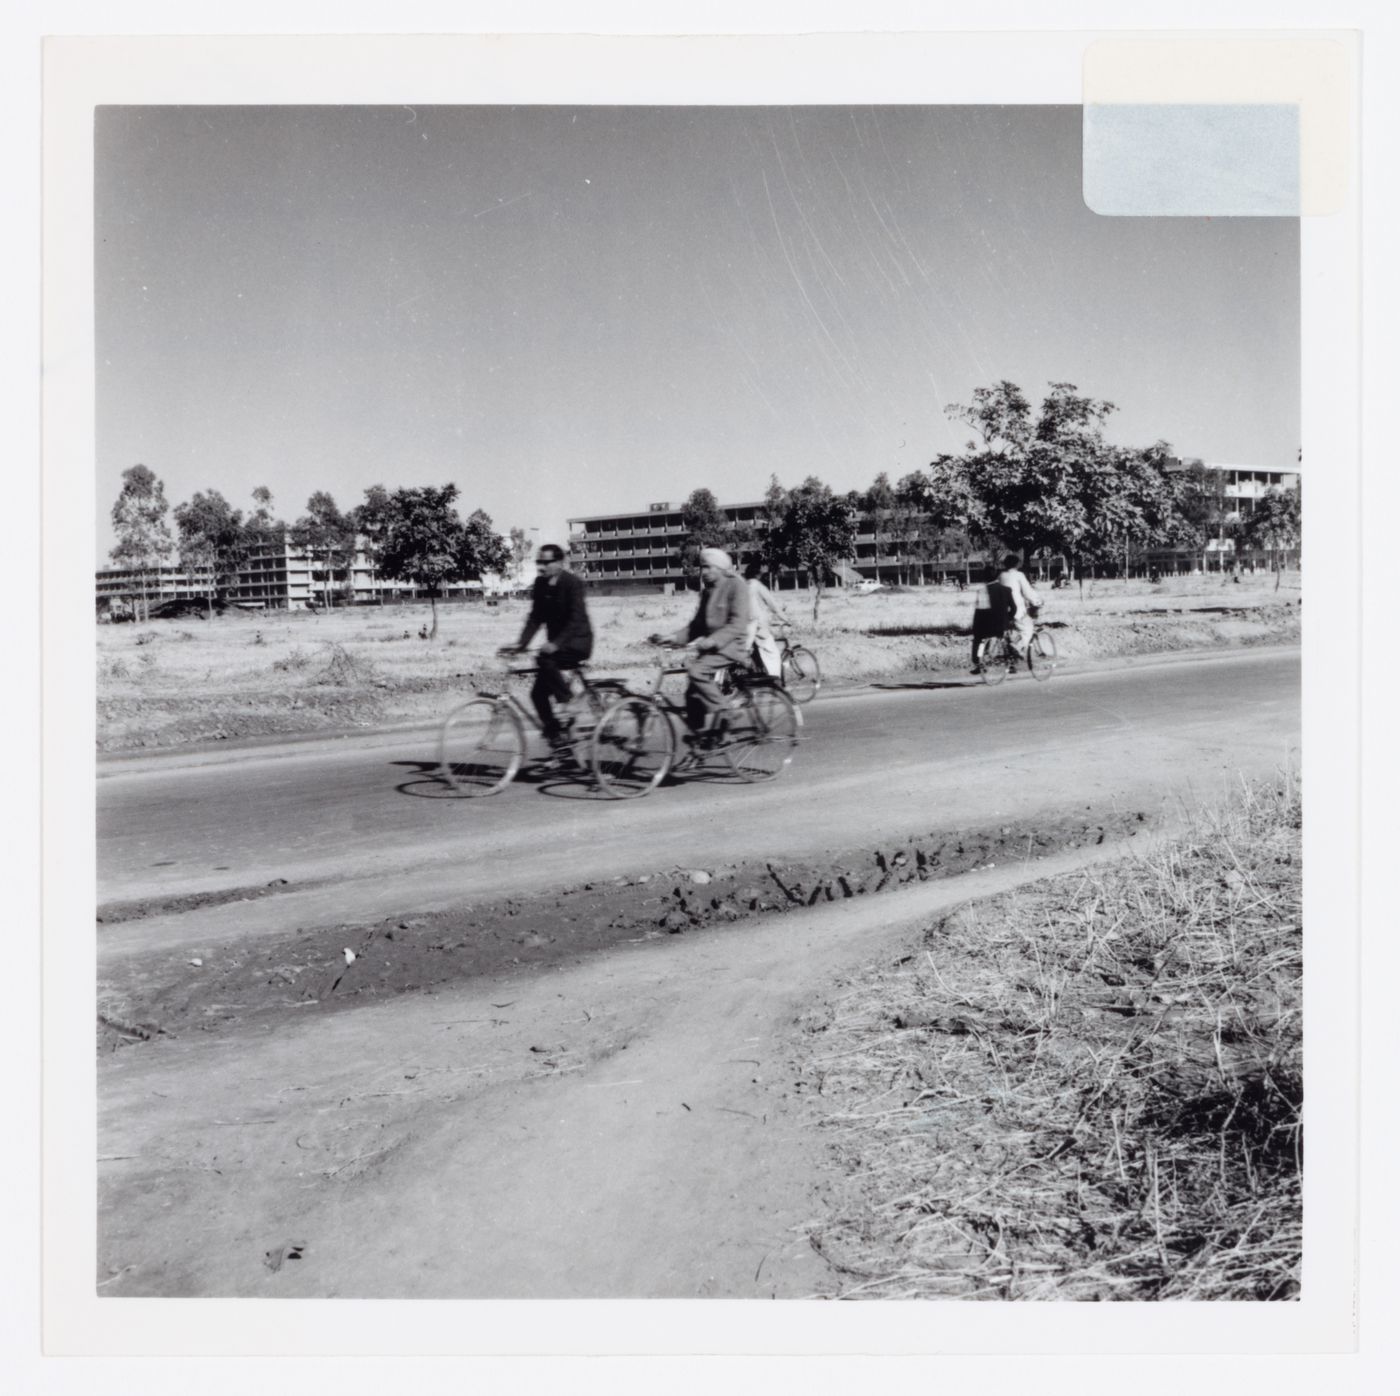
x=764 y=609
x=557 y=604
x=718 y=631
x=1021 y=596
x=987 y=619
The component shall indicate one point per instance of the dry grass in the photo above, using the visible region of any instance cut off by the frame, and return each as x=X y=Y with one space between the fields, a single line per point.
x=1091 y=1089
x=244 y=674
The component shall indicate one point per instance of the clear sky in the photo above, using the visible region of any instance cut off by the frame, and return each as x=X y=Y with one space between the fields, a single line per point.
x=583 y=310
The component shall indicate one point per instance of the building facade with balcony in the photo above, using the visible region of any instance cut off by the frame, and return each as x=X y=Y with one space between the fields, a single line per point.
x=276 y=575
x=642 y=550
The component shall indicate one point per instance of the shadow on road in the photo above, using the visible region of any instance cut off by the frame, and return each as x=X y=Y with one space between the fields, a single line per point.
x=904 y=631
x=560 y=783
x=930 y=683
x=425 y=783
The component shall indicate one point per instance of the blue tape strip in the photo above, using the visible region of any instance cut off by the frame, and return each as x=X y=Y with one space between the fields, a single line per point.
x=1187 y=160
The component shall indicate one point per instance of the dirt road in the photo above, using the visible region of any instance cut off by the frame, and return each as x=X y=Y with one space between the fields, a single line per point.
x=624 y=1125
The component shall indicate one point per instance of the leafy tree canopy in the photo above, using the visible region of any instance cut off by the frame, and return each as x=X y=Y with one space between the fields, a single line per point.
x=1050 y=480
x=815 y=531
x=143 y=534
x=482 y=549
x=1276 y=522
x=706 y=526
x=427 y=544
x=213 y=539
x=139 y=519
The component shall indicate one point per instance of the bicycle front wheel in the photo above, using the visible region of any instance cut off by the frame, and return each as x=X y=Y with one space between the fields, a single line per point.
x=802 y=675
x=481 y=748
x=763 y=733
x=995 y=659
x=633 y=747
x=1042 y=656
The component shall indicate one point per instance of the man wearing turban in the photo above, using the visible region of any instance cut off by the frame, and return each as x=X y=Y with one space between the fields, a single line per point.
x=718 y=631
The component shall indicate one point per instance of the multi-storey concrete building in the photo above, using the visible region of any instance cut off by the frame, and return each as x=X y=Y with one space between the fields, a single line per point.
x=275 y=575
x=642 y=550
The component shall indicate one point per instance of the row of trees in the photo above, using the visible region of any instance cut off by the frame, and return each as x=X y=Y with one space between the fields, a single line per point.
x=1043 y=482
x=410 y=535
x=1050 y=482
x=809 y=530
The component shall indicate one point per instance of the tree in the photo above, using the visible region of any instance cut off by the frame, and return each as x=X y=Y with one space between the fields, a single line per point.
x=904 y=529
x=947 y=505
x=143 y=535
x=706 y=526
x=1276 y=524
x=325 y=533
x=878 y=503
x=427 y=544
x=519 y=555
x=370 y=521
x=1129 y=500
x=816 y=530
x=1001 y=417
x=213 y=542
x=262 y=524
x=266 y=533
x=1043 y=484
x=481 y=549
x=1202 y=510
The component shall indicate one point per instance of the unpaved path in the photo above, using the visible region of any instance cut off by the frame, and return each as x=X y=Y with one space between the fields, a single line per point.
x=627 y=1127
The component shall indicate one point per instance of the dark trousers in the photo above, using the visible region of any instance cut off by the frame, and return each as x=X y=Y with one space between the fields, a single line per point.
x=985 y=624
x=551 y=686
x=702 y=695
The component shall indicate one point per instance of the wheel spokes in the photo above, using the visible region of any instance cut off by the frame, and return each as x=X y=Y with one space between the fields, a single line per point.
x=481 y=748
x=632 y=748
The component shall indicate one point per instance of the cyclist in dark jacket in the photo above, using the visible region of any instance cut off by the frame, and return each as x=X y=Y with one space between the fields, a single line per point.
x=557 y=604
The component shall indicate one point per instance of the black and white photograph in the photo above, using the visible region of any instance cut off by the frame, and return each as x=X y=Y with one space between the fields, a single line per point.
x=703 y=700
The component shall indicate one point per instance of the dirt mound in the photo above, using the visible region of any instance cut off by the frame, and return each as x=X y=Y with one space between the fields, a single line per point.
x=222 y=987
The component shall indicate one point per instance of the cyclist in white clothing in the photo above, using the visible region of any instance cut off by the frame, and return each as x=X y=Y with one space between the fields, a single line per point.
x=763 y=606
x=1023 y=596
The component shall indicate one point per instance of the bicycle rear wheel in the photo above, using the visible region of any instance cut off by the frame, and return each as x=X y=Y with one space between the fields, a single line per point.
x=802 y=675
x=763 y=733
x=481 y=747
x=633 y=747
x=995 y=659
x=1041 y=656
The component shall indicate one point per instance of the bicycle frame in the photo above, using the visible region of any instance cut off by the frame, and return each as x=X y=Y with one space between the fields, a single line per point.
x=601 y=692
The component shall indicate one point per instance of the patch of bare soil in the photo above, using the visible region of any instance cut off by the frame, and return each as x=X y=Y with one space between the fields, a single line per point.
x=156 y=722
x=321 y=969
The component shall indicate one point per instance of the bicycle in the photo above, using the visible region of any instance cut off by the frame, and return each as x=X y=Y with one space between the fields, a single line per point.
x=799 y=673
x=482 y=745
x=998 y=655
x=634 y=743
